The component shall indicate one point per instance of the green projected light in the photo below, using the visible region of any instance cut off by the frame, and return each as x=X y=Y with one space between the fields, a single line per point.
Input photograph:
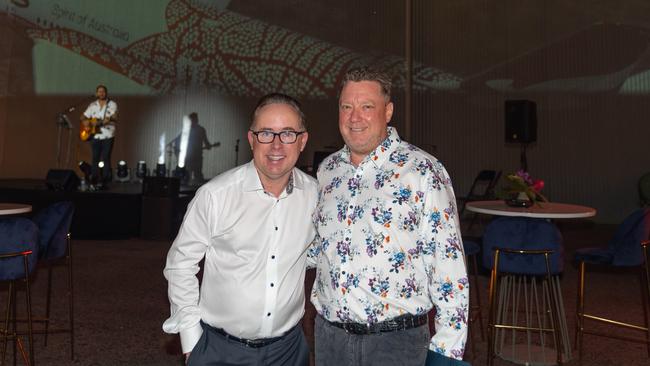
x=67 y=73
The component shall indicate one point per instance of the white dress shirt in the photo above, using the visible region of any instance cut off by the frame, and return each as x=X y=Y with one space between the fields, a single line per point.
x=109 y=109
x=255 y=248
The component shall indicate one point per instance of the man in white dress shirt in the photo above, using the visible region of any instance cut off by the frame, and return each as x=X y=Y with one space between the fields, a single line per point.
x=252 y=224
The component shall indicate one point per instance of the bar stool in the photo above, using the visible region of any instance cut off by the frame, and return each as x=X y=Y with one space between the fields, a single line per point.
x=18 y=258
x=55 y=249
x=623 y=251
x=526 y=313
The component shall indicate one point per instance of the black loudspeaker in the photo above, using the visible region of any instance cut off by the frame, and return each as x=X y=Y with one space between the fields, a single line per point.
x=319 y=156
x=61 y=180
x=160 y=186
x=157 y=218
x=521 y=121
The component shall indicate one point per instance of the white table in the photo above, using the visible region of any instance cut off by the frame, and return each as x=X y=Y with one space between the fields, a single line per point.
x=531 y=353
x=542 y=210
x=14 y=208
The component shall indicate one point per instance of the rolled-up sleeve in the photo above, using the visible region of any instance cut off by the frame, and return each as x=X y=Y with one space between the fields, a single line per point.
x=111 y=109
x=181 y=268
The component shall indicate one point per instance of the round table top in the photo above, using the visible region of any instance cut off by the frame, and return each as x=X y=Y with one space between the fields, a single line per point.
x=543 y=210
x=14 y=208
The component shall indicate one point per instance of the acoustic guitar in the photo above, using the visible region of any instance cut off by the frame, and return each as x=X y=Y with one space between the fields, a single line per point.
x=89 y=128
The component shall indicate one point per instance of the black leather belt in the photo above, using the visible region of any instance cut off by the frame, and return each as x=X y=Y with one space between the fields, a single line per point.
x=252 y=343
x=402 y=322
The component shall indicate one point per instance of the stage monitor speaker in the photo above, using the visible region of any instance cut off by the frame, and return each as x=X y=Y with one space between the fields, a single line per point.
x=160 y=186
x=521 y=121
x=61 y=180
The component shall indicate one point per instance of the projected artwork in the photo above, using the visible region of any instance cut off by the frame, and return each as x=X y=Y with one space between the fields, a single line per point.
x=576 y=63
x=221 y=50
x=168 y=47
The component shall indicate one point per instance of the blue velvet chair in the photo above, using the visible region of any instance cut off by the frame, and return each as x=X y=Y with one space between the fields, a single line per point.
x=55 y=249
x=18 y=258
x=525 y=257
x=627 y=249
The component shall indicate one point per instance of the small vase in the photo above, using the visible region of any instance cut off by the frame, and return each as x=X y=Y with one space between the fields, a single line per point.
x=521 y=200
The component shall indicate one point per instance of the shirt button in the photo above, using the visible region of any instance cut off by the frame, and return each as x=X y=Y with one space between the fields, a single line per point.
x=268 y=314
x=271 y=284
x=272 y=257
x=276 y=228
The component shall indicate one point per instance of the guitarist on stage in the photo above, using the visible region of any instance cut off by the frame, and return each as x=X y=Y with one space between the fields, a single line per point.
x=98 y=126
x=197 y=142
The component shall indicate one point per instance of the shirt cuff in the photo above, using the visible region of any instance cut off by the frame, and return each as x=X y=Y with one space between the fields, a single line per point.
x=190 y=337
x=436 y=359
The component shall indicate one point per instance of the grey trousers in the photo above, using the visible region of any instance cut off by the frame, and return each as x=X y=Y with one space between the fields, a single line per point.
x=336 y=347
x=214 y=349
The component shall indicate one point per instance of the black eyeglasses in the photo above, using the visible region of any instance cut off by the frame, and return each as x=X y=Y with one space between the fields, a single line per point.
x=286 y=137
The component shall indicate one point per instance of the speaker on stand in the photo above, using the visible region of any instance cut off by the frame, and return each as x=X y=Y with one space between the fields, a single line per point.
x=521 y=125
x=160 y=196
x=61 y=180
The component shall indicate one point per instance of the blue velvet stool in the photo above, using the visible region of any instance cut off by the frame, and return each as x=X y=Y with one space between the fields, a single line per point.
x=55 y=249
x=627 y=249
x=18 y=258
x=527 y=321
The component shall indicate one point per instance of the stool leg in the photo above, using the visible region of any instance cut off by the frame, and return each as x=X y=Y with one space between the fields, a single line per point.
x=6 y=325
x=645 y=283
x=30 y=329
x=580 y=312
x=70 y=296
x=478 y=308
x=48 y=302
x=14 y=309
x=492 y=309
x=644 y=302
x=554 y=304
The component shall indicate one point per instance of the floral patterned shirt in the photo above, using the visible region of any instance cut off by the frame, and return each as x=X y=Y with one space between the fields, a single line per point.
x=389 y=242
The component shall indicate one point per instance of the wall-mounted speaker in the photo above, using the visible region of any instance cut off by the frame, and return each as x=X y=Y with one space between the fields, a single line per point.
x=160 y=187
x=61 y=180
x=521 y=121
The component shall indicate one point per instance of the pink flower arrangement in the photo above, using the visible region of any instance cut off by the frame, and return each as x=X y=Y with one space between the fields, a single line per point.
x=521 y=185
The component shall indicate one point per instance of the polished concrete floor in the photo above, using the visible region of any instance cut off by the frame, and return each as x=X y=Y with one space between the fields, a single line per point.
x=121 y=302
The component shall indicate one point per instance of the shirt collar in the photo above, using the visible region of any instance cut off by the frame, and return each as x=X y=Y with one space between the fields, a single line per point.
x=252 y=180
x=381 y=152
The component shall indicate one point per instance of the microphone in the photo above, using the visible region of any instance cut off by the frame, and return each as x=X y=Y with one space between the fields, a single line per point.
x=237 y=145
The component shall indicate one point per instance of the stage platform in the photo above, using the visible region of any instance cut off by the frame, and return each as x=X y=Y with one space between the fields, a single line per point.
x=119 y=212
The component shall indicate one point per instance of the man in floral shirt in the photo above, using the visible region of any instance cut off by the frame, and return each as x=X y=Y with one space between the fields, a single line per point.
x=389 y=246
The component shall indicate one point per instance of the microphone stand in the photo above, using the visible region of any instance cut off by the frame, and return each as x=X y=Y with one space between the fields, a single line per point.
x=236 y=152
x=62 y=120
x=169 y=149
